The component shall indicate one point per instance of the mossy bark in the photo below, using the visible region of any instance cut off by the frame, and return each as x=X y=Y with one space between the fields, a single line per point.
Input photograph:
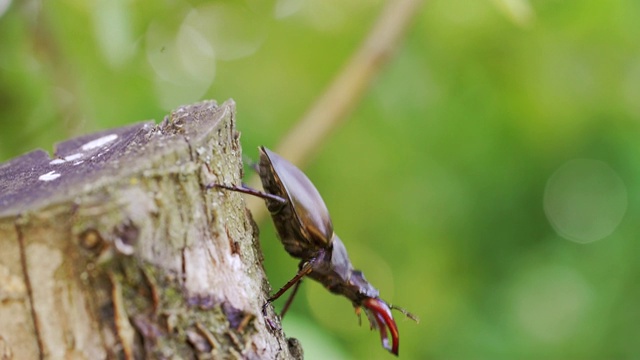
x=116 y=248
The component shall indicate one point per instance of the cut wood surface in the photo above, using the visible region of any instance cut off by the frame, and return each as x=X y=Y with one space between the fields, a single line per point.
x=114 y=248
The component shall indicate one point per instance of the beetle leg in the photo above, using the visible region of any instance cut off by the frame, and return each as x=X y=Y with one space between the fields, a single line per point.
x=290 y=299
x=305 y=270
x=359 y=313
x=247 y=190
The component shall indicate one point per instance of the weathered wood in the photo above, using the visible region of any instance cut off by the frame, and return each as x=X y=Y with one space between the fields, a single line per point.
x=115 y=248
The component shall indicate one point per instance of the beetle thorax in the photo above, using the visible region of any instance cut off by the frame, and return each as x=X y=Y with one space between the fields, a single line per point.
x=336 y=273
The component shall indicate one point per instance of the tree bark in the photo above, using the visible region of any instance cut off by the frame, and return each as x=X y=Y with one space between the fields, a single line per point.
x=116 y=249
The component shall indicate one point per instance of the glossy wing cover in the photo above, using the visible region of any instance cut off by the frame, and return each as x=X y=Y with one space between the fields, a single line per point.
x=309 y=209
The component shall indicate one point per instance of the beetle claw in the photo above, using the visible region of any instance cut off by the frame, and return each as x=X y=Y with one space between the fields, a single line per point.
x=272 y=325
x=379 y=314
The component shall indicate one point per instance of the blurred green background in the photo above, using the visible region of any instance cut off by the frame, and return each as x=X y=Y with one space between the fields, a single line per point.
x=487 y=182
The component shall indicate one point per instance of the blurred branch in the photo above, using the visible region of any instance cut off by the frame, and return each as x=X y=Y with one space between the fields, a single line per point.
x=343 y=94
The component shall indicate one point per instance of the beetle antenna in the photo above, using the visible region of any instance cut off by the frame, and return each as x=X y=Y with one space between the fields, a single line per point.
x=405 y=312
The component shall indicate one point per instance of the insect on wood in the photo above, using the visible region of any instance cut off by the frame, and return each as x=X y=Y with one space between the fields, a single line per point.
x=304 y=227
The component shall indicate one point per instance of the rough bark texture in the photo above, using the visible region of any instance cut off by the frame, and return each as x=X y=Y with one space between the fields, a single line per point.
x=116 y=249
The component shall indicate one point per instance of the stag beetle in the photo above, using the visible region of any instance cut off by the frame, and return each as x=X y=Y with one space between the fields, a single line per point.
x=303 y=225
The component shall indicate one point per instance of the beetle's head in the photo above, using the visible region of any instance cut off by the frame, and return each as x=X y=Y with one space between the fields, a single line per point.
x=380 y=317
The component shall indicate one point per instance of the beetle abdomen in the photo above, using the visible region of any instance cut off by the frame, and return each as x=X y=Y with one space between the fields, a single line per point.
x=304 y=217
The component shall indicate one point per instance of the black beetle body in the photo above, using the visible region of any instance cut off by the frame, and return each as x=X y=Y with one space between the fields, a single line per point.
x=305 y=229
x=303 y=222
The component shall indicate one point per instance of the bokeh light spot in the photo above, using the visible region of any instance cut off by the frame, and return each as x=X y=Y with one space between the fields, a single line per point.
x=196 y=53
x=4 y=5
x=113 y=31
x=549 y=303
x=585 y=200
x=518 y=11
x=285 y=8
x=233 y=30
x=183 y=63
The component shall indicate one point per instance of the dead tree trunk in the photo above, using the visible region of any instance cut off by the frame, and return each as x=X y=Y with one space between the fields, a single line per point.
x=115 y=248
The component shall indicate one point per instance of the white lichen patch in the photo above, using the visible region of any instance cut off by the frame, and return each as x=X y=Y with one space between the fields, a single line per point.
x=99 y=142
x=73 y=157
x=51 y=175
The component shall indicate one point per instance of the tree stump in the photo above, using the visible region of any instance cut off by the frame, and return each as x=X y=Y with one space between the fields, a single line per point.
x=115 y=248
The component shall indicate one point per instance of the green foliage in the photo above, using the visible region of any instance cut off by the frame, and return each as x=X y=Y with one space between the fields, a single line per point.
x=438 y=183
